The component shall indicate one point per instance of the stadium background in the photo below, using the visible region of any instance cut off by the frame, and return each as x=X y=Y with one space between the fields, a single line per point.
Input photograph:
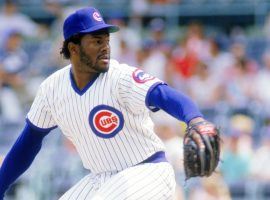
x=216 y=51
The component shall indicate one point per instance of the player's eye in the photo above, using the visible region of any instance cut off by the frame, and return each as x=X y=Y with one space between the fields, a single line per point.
x=98 y=41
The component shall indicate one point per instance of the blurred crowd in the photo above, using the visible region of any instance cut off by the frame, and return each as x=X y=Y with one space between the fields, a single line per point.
x=226 y=73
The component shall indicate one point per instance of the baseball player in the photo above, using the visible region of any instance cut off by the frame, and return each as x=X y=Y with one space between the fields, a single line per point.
x=103 y=108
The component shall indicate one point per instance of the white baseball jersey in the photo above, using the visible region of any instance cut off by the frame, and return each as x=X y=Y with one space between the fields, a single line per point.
x=153 y=181
x=107 y=121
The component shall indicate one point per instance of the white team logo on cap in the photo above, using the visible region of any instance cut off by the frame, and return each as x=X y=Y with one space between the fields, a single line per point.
x=97 y=16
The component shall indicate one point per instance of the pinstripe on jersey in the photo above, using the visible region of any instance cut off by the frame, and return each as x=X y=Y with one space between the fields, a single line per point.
x=142 y=182
x=59 y=102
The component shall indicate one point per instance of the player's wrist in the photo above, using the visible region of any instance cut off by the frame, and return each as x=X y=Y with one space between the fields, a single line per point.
x=195 y=121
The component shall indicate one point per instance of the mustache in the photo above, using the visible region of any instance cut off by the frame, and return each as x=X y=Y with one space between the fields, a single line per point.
x=104 y=56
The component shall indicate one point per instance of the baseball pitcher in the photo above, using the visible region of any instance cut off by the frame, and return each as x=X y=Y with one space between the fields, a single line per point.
x=103 y=107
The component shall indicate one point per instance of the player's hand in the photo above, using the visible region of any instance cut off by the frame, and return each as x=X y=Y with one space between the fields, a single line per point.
x=201 y=148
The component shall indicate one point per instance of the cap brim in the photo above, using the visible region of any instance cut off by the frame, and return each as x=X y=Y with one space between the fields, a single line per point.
x=108 y=27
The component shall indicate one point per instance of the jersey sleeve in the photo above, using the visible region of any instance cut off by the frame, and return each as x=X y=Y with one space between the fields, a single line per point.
x=134 y=87
x=40 y=116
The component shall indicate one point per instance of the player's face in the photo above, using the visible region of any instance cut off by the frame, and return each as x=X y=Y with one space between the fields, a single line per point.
x=94 y=52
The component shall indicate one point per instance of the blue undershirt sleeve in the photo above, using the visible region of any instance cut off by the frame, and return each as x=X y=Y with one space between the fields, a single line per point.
x=20 y=157
x=173 y=102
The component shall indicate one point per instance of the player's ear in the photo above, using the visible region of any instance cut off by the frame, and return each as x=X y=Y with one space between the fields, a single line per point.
x=73 y=48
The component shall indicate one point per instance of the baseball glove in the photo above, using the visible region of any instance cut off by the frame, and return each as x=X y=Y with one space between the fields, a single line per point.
x=201 y=149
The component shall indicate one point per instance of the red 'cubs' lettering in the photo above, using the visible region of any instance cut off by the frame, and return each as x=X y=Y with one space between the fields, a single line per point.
x=114 y=119
x=105 y=122
x=108 y=120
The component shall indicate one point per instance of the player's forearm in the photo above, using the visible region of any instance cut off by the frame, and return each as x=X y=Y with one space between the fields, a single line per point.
x=20 y=157
x=174 y=103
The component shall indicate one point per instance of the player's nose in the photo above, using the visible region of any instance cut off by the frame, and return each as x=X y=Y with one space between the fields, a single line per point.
x=106 y=45
x=105 y=50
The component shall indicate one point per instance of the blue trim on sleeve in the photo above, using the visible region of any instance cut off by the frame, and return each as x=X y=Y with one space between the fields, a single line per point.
x=153 y=109
x=174 y=103
x=38 y=128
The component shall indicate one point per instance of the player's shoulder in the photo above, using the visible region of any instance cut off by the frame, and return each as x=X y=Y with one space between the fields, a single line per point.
x=57 y=76
x=122 y=68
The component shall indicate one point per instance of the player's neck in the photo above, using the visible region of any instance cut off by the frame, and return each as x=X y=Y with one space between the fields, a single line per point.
x=82 y=78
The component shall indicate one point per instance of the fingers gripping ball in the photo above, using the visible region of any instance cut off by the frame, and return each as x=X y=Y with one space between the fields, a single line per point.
x=201 y=149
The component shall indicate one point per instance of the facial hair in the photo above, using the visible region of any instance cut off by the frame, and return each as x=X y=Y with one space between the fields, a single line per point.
x=84 y=58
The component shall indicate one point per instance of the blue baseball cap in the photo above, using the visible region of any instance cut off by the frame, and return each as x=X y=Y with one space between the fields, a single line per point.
x=86 y=20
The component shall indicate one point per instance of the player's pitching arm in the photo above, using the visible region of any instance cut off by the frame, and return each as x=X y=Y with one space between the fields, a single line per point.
x=21 y=155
